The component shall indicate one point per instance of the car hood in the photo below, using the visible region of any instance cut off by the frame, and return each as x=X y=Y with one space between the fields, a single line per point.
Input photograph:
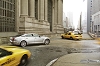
x=13 y=48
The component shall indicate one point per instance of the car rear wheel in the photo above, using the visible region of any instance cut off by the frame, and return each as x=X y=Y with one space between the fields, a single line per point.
x=62 y=37
x=47 y=41
x=23 y=61
x=23 y=43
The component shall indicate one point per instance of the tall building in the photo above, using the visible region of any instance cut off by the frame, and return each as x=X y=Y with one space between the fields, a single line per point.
x=86 y=22
x=70 y=19
x=84 y=17
x=25 y=16
x=89 y=15
x=65 y=21
x=79 y=22
x=96 y=16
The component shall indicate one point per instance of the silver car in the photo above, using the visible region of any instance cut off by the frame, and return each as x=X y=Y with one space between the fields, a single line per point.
x=31 y=38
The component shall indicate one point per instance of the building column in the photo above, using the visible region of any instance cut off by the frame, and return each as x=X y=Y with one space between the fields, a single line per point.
x=46 y=10
x=32 y=8
x=55 y=12
x=60 y=12
x=24 y=7
x=41 y=10
x=53 y=16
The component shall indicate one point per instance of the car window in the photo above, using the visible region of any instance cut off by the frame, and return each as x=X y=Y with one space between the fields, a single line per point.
x=36 y=35
x=29 y=35
x=69 y=33
x=3 y=53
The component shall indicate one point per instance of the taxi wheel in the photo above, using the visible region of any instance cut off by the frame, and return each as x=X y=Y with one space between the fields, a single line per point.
x=23 y=61
x=47 y=41
x=71 y=38
x=62 y=37
x=23 y=43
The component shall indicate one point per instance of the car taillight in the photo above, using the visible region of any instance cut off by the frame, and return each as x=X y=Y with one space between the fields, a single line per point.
x=13 y=39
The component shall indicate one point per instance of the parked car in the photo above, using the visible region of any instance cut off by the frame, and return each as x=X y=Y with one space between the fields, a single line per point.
x=13 y=56
x=72 y=35
x=30 y=38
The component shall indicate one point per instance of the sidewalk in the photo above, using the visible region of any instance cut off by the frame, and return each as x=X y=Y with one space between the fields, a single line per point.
x=79 y=59
x=86 y=37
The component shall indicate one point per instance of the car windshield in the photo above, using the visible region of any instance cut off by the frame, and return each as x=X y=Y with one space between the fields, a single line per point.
x=3 y=52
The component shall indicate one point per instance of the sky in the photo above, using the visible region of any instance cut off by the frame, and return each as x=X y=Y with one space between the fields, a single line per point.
x=74 y=6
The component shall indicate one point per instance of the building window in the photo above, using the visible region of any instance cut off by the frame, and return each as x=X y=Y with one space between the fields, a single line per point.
x=36 y=9
x=7 y=16
x=98 y=27
x=50 y=13
x=94 y=28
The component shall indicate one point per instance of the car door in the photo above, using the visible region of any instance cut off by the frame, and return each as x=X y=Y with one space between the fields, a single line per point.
x=65 y=35
x=38 y=38
x=7 y=59
x=29 y=38
x=68 y=35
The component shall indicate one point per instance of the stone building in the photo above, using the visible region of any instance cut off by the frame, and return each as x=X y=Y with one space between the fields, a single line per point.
x=25 y=16
x=96 y=17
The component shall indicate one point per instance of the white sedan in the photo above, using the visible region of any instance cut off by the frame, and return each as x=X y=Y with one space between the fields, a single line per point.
x=31 y=38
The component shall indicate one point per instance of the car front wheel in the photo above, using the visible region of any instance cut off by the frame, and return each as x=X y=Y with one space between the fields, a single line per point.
x=47 y=41
x=23 y=61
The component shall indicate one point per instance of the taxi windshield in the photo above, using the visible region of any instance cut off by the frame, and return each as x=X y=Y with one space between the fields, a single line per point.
x=3 y=52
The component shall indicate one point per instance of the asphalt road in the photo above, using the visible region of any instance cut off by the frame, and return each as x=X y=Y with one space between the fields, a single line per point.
x=43 y=54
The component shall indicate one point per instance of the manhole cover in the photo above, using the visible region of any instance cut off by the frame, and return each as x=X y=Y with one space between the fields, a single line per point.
x=90 y=61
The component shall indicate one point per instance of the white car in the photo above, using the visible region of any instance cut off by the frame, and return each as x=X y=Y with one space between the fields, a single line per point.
x=31 y=38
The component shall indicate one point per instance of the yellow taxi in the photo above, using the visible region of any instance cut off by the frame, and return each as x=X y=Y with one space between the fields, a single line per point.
x=72 y=35
x=13 y=56
x=98 y=40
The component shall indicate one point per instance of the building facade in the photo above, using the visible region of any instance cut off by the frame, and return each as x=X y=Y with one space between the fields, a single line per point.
x=28 y=16
x=84 y=17
x=96 y=17
x=89 y=15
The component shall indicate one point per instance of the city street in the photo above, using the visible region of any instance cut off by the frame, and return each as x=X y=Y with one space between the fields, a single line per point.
x=27 y=23
x=43 y=54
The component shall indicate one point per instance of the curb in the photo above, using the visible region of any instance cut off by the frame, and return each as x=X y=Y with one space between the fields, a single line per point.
x=87 y=39
x=53 y=61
